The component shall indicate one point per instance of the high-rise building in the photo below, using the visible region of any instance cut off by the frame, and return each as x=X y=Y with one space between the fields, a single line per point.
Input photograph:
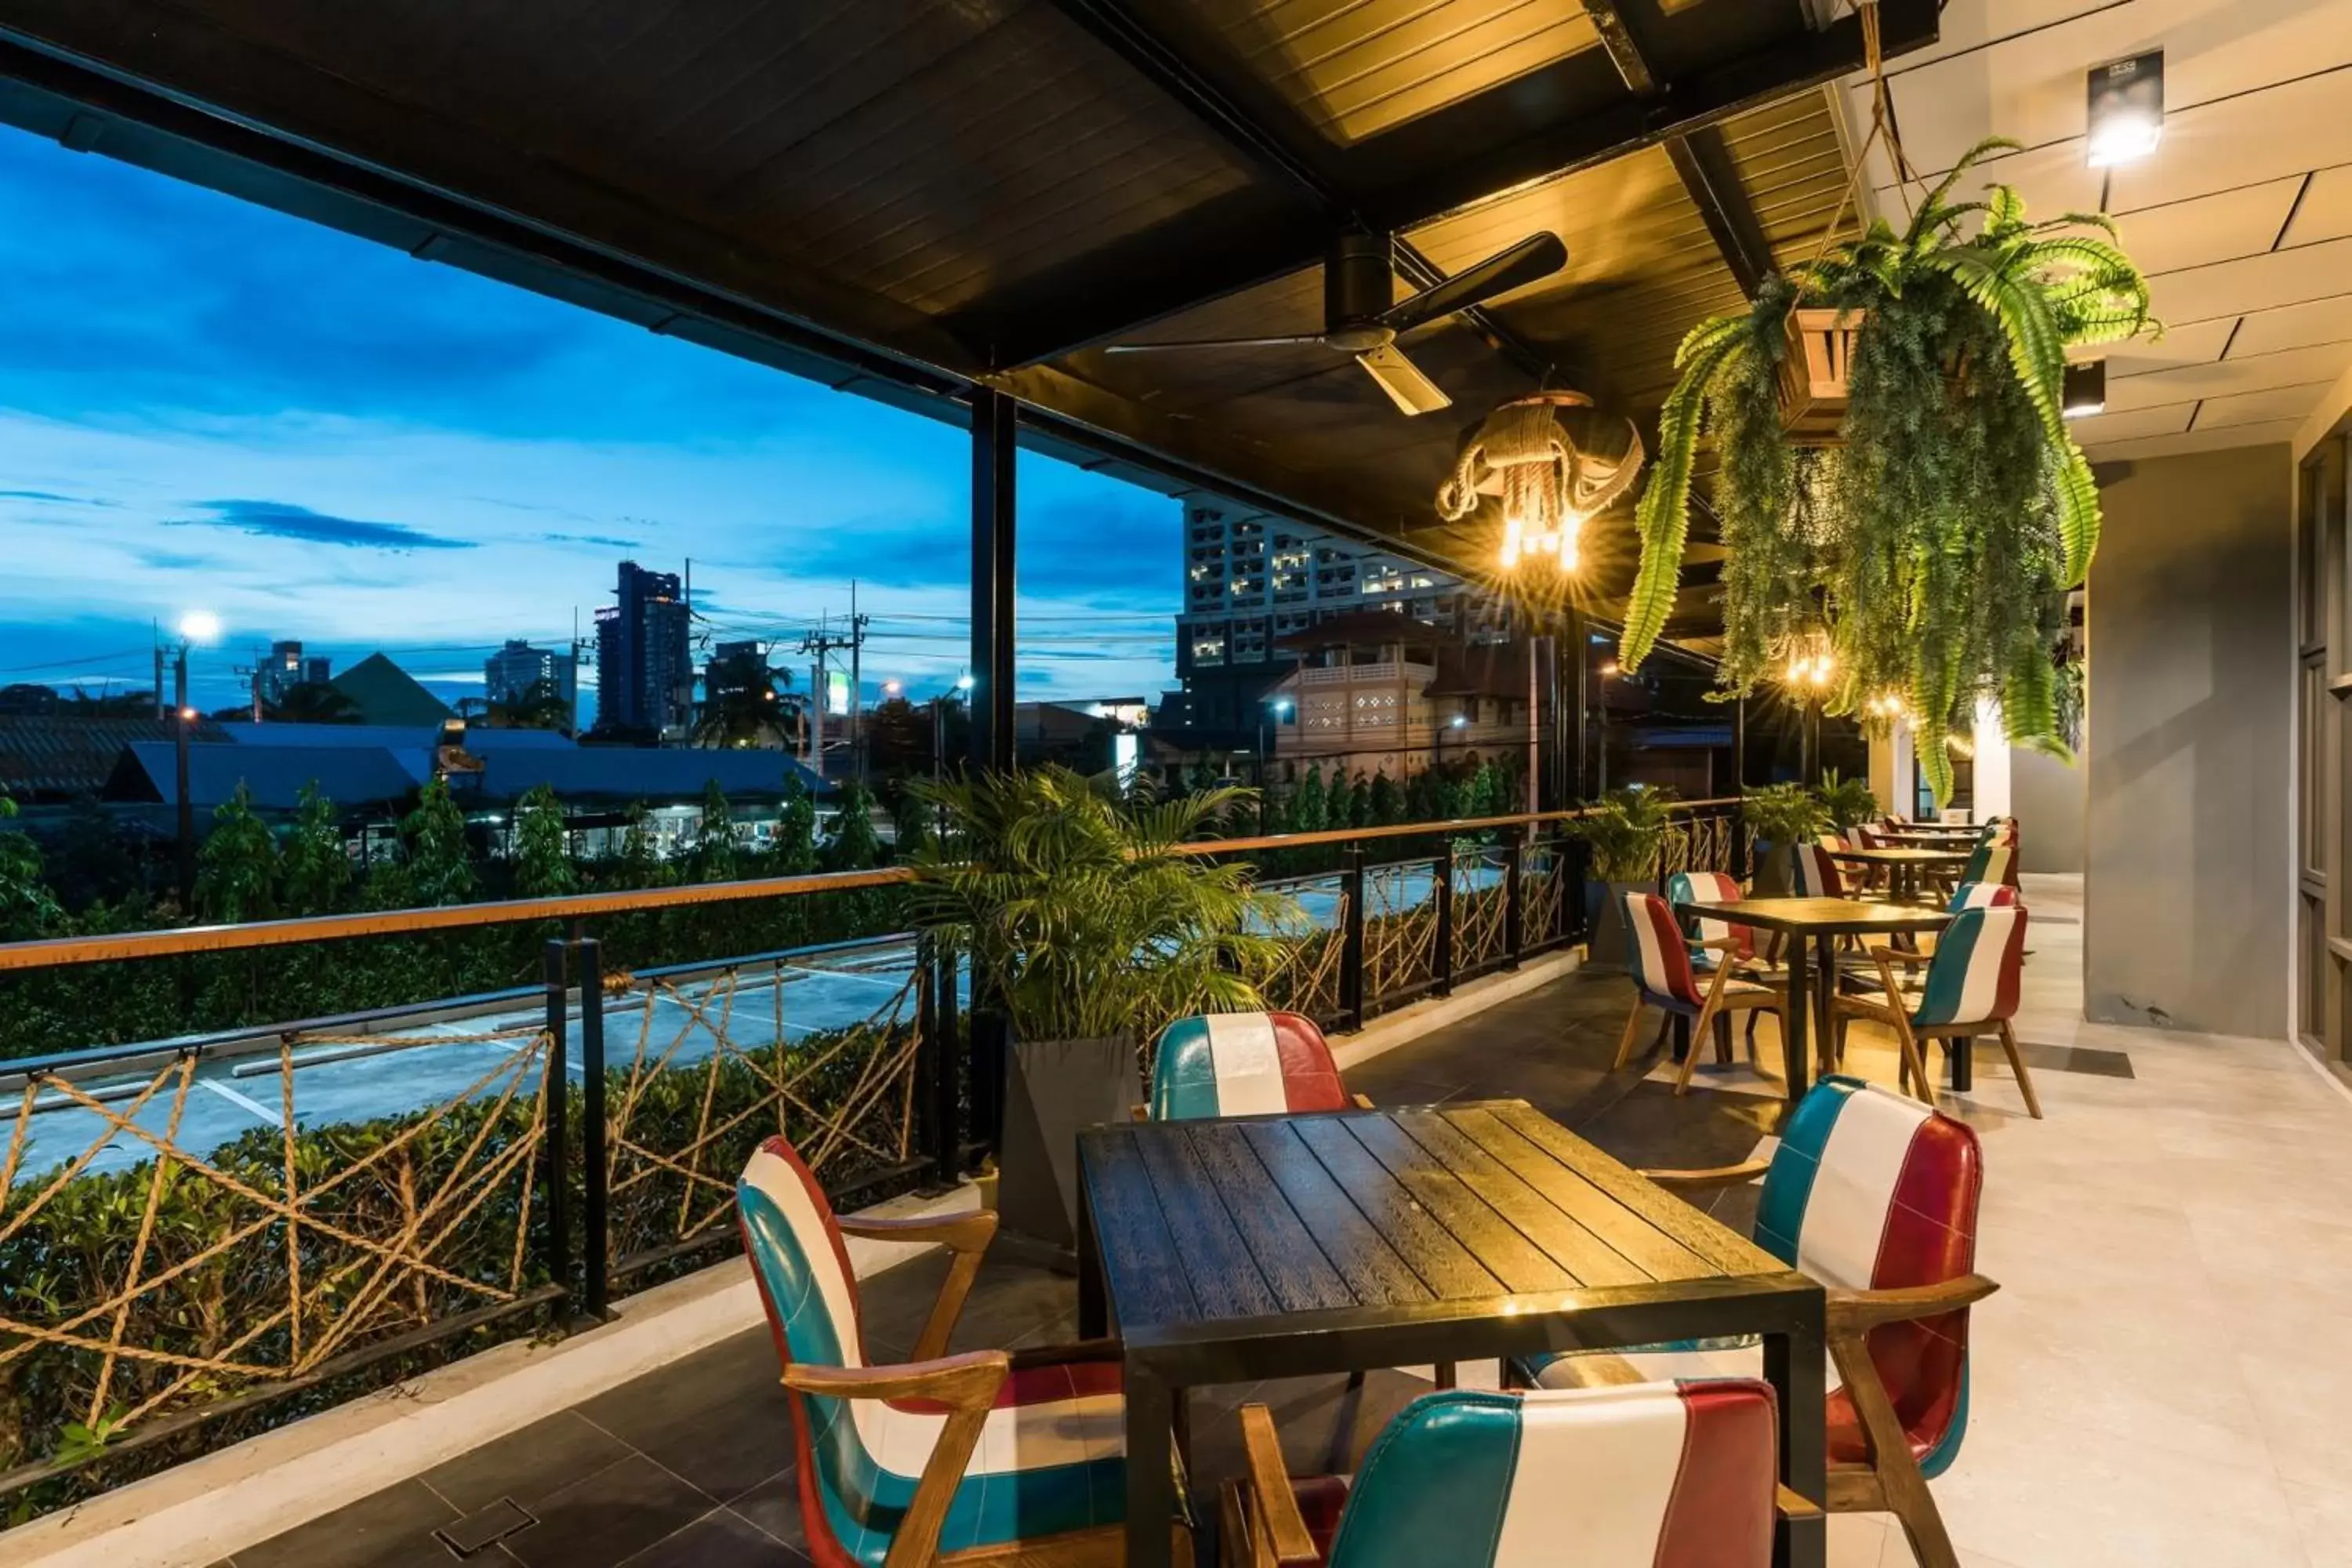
x=286 y=668
x=1252 y=578
x=645 y=668
x=508 y=675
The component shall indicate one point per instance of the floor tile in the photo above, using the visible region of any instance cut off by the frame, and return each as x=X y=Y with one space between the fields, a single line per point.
x=530 y=1464
x=605 y=1517
x=391 y=1529
x=720 y=1540
x=717 y=1419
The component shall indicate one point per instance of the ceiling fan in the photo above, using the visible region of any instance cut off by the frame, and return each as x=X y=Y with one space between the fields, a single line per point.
x=1361 y=316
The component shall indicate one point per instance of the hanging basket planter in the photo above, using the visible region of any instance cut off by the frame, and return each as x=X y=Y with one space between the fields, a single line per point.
x=1813 y=374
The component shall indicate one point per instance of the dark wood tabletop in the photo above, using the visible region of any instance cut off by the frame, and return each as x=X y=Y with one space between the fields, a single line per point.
x=1900 y=855
x=1248 y=1249
x=1818 y=917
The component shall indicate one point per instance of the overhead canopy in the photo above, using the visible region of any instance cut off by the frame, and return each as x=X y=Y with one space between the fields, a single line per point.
x=907 y=196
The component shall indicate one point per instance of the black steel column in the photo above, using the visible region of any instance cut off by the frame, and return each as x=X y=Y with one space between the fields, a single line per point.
x=596 y=1244
x=1575 y=658
x=1351 y=938
x=992 y=458
x=1739 y=788
x=1443 y=871
x=557 y=1176
x=1514 y=919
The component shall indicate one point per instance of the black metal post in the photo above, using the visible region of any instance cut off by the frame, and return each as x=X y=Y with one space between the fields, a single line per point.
x=1575 y=656
x=596 y=1244
x=1443 y=868
x=948 y=1112
x=1515 y=913
x=186 y=807
x=1739 y=788
x=1351 y=939
x=557 y=1178
x=992 y=458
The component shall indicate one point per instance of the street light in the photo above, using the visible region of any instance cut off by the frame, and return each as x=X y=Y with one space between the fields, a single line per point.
x=1281 y=706
x=195 y=626
x=200 y=626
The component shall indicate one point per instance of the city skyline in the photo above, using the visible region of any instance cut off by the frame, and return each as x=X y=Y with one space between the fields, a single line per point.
x=204 y=405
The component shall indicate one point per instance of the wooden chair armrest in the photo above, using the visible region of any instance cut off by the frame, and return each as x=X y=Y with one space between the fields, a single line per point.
x=967 y=1384
x=1275 y=1523
x=967 y=1235
x=969 y=1231
x=1140 y=1112
x=1904 y=955
x=1709 y=1181
x=1720 y=944
x=1791 y=1504
x=1858 y=1312
x=1064 y=1355
x=1362 y=1101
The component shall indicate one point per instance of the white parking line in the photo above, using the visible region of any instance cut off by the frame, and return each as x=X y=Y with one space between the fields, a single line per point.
x=247 y=1101
x=894 y=984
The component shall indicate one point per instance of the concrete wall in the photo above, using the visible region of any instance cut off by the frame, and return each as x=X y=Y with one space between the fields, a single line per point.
x=2191 y=680
x=2047 y=797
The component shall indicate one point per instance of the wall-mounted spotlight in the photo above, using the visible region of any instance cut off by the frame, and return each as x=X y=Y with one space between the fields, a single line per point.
x=2085 y=389
x=2126 y=103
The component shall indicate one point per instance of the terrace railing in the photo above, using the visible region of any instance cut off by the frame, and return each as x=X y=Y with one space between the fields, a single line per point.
x=206 y=1236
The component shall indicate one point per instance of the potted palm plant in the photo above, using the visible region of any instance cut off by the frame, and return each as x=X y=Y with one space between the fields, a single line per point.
x=1847 y=803
x=1086 y=929
x=1779 y=816
x=1933 y=523
x=1625 y=831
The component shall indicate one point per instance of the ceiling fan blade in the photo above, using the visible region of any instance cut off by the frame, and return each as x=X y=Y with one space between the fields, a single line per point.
x=1410 y=391
x=1216 y=344
x=1537 y=255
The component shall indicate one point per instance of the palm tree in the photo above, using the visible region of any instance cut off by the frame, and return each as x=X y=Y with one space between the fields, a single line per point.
x=538 y=706
x=311 y=702
x=748 y=705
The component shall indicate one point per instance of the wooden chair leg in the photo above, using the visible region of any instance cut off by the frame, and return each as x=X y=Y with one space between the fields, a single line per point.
x=2017 y=1066
x=1626 y=1044
x=1700 y=1031
x=1914 y=1065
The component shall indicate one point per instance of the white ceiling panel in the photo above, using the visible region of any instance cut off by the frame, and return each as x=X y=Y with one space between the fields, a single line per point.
x=2292 y=128
x=2259 y=407
x=2099 y=429
x=2295 y=367
x=1972 y=26
x=2199 y=343
x=2280 y=430
x=2325 y=320
x=2326 y=210
x=2207 y=230
x=2253 y=282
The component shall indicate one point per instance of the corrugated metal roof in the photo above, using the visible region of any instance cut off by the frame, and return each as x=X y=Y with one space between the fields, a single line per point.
x=51 y=758
x=631 y=772
x=275 y=776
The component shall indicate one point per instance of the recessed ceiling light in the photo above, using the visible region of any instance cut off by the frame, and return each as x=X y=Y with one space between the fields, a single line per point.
x=2085 y=389
x=2126 y=109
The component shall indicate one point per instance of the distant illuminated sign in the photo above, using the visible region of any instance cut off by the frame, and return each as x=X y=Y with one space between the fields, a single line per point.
x=1124 y=757
x=836 y=691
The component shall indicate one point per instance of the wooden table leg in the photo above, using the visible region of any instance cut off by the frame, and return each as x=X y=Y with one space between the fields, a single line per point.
x=1795 y=1044
x=1151 y=1474
x=1794 y=1366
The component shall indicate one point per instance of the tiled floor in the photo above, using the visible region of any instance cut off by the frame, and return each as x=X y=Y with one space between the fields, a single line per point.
x=2163 y=1380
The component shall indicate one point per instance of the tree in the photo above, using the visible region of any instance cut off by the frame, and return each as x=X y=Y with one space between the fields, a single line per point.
x=538 y=706
x=637 y=866
x=911 y=819
x=745 y=705
x=852 y=845
x=236 y=868
x=1359 y=802
x=1387 y=801
x=314 y=870
x=311 y=702
x=26 y=909
x=795 y=851
x=711 y=856
x=439 y=871
x=94 y=863
x=543 y=867
x=1310 y=806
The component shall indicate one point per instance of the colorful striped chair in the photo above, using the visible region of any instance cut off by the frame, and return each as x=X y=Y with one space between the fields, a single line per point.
x=1817 y=874
x=1875 y=1196
x=1972 y=989
x=945 y=1459
x=1663 y=978
x=1716 y=939
x=1674 y=1475
x=1981 y=896
x=1244 y=1064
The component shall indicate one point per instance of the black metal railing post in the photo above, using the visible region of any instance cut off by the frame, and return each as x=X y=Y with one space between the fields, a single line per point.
x=596 y=1239
x=1443 y=868
x=936 y=1105
x=1351 y=939
x=1576 y=920
x=557 y=1178
x=1515 y=910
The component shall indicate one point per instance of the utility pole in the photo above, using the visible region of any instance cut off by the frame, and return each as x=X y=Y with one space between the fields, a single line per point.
x=856 y=682
x=156 y=628
x=819 y=644
x=187 y=808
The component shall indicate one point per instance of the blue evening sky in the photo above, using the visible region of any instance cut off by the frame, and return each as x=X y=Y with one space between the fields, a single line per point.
x=207 y=404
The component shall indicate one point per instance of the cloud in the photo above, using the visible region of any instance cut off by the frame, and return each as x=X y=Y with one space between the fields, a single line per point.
x=606 y=540
x=55 y=499
x=284 y=520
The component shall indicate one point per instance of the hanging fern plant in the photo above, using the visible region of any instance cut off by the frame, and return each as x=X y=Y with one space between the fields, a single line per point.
x=1935 y=539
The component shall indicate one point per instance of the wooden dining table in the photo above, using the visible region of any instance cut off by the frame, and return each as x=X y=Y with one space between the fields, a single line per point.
x=1236 y=1251
x=1903 y=864
x=1813 y=927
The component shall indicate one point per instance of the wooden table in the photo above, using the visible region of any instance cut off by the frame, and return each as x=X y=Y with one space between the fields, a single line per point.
x=1903 y=864
x=1813 y=921
x=1923 y=834
x=1254 y=1248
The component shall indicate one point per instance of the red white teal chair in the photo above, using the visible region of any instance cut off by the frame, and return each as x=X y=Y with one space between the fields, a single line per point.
x=1666 y=1474
x=1817 y=874
x=1244 y=1064
x=1716 y=939
x=1971 y=988
x=1981 y=896
x=1875 y=1196
x=1663 y=979
x=1991 y=861
x=943 y=1459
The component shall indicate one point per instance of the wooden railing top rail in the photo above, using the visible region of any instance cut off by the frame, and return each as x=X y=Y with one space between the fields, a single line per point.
x=51 y=952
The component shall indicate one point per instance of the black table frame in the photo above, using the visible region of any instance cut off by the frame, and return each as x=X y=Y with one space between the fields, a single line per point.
x=1163 y=1361
x=1810 y=984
